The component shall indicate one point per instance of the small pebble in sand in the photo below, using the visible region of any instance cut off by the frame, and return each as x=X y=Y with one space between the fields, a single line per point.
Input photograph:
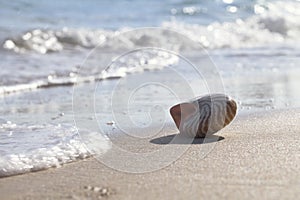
x=96 y=189
x=88 y=187
x=102 y=191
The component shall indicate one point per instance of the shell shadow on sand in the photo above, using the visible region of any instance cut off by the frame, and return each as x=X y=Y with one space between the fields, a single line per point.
x=172 y=139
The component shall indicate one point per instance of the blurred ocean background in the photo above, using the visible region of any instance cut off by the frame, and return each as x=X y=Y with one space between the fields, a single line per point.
x=255 y=44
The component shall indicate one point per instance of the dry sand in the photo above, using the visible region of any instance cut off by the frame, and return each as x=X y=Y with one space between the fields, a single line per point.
x=259 y=158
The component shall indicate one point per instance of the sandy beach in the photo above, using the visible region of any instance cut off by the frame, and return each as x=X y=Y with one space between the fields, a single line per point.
x=256 y=158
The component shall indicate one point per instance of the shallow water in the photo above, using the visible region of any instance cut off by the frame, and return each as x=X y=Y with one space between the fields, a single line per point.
x=252 y=54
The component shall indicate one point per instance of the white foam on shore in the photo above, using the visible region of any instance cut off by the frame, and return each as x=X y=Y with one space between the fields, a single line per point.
x=29 y=147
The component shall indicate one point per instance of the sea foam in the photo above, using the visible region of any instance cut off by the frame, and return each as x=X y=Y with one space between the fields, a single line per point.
x=31 y=147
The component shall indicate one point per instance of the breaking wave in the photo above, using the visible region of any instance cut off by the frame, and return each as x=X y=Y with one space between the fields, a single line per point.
x=275 y=22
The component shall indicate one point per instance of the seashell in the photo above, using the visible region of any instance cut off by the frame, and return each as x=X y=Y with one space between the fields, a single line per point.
x=204 y=115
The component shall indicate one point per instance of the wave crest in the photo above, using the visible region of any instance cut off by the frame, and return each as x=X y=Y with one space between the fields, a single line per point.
x=276 y=22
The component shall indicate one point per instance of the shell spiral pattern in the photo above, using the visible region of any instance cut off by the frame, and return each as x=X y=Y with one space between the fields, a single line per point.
x=210 y=114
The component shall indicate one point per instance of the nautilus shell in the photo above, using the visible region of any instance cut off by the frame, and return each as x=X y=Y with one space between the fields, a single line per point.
x=204 y=115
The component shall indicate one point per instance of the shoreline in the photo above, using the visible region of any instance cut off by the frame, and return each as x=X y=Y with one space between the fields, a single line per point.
x=258 y=158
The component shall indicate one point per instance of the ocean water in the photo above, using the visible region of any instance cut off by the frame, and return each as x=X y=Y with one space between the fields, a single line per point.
x=55 y=81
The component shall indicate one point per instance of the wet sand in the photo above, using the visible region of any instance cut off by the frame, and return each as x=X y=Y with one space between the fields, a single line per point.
x=258 y=157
